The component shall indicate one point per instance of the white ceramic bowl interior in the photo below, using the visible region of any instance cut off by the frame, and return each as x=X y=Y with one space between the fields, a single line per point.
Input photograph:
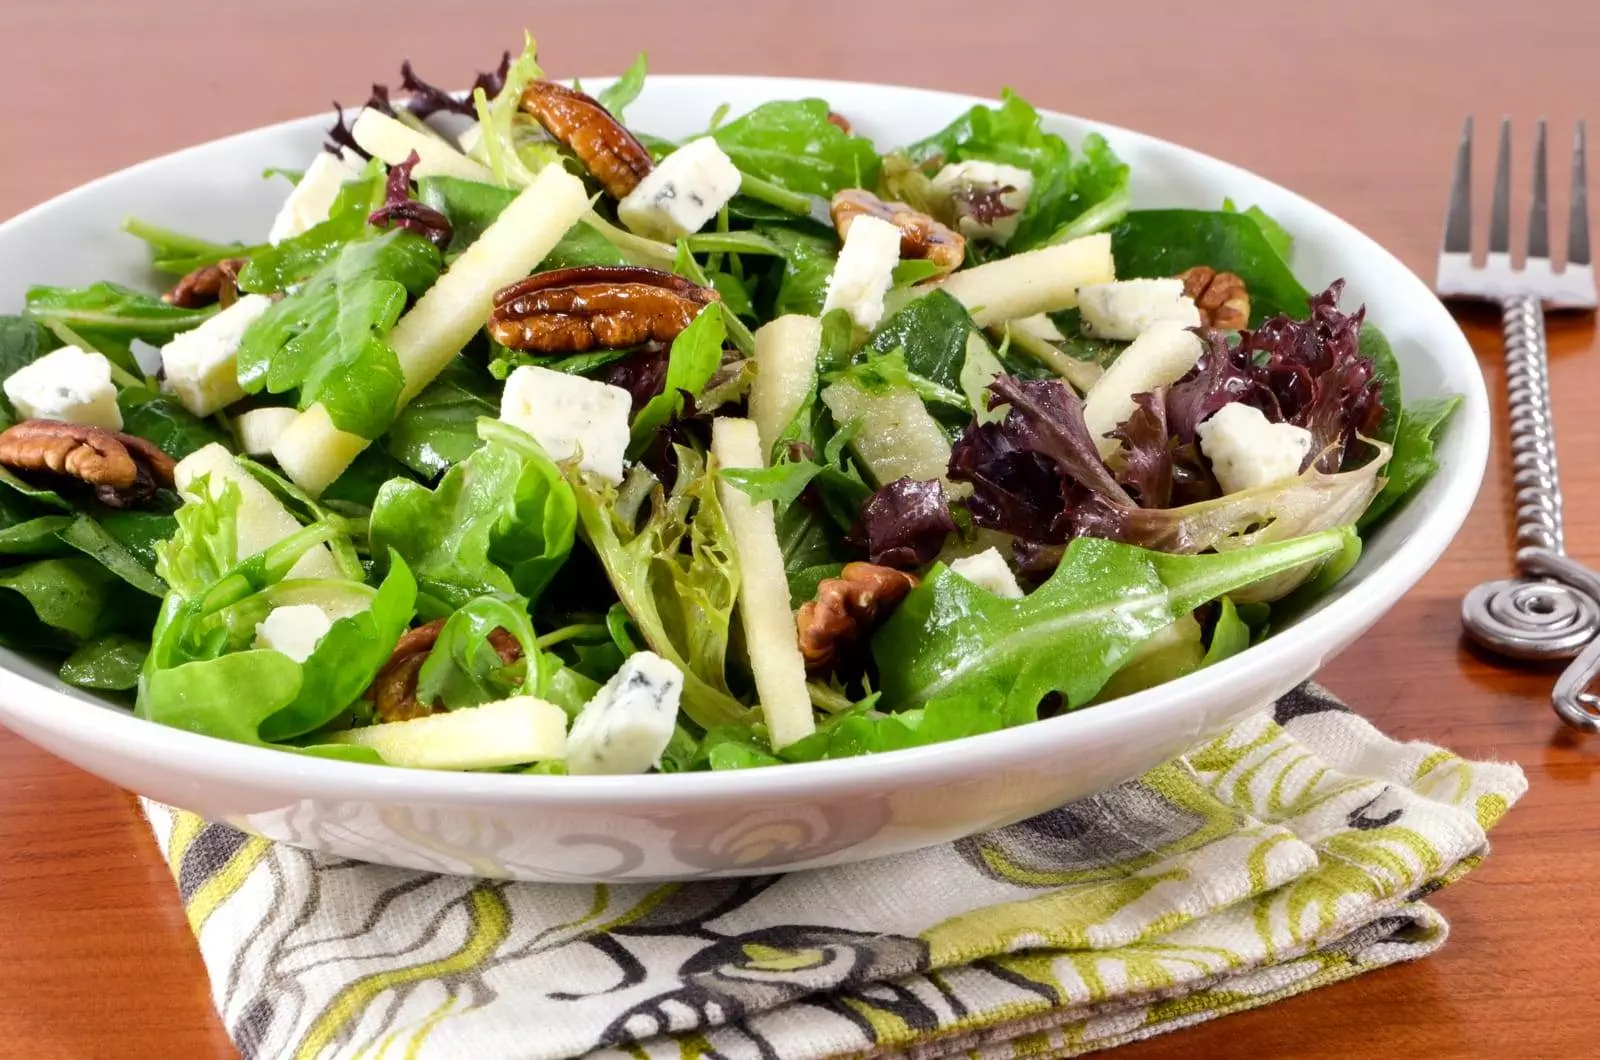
x=684 y=826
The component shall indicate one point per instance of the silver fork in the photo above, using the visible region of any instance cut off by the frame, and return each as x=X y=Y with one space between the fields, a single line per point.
x=1552 y=609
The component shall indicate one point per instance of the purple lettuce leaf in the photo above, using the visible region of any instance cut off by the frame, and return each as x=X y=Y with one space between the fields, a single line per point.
x=400 y=210
x=340 y=138
x=1147 y=450
x=906 y=522
x=425 y=99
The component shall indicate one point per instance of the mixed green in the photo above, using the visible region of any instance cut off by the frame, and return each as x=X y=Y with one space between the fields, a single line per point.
x=829 y=503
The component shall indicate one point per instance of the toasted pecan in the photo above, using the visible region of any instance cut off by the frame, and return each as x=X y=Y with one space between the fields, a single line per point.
x=394 y=691
x=207 y=285
x=610 y=307
x=609 y=151
x=123 y=470
x=920 y=235
x=1221 y=297
x=846 y=609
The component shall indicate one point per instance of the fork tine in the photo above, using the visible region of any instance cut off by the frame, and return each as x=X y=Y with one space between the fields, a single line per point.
x=1458 y=216
x=1500 y=209
x=1539 y=212
x=1578 y=221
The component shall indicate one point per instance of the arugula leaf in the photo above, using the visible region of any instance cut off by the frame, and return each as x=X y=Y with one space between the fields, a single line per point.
x=292 y=261
x=162 y=419
x=1413 y=462
x=695 y=356
x=676 y=574
x=439 y=428
x=950 y=640
x=111 y=318
x=780 y=483
x=177 y=254
x=625 y=89
x=1277 y=236
x=328 y=338
x=1012 y=133
x=110 y=663
x=792 y=144
x=501 y=521
x=471 y=207
x=1166 y=242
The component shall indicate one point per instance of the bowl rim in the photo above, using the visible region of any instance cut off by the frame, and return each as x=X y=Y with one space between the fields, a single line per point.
x=114 y=729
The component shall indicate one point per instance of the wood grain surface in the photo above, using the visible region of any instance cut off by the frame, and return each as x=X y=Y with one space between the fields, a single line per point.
x=1356 y=105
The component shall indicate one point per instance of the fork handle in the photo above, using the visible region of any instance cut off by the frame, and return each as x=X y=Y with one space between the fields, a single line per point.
x=1535 y=476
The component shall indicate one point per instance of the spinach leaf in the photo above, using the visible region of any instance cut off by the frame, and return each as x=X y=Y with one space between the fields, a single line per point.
x=1413 y=463
x=139 y=533
x=1374 y=346
x=361 y=481
x=950 y=640
x=501 y=521
x=76 y=595
x=110 y=663
x=808 y=262
x=162 y=419
x=440 y=426
x=694 y=358
x=1063 y=189
x=111 y=318
x=92 y=539
x=177 y=254
x=792 y=144
x=292 y=261
x=1277 y=236
x=328 y=338
x=932 y=333
x=1166 y=242
x=625 y=89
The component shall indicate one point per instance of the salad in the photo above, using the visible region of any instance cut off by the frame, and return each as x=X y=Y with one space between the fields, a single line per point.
x=527 y=441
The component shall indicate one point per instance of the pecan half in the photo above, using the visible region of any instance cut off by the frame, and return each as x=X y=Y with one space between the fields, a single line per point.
x=206 y=285
x=920 y=235
x=124 y=471
x=1221 y=297
x=611 y=307
x=846 y=609
x=394 y=691
x=609 y=151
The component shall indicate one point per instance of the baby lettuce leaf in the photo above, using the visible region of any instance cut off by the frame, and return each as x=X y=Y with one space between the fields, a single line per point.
x=1413 y=462
x=110 y=318
x=465 y=670
x=110 y=663
x=501 y=521
x=1011 y=133
x=950 y=640
x=162 y=419
x=439 y=428
x=792 y=144
x=695 y=356
x=1166 y=242
x=327 y=340
x=625 y=89
x=677 y=575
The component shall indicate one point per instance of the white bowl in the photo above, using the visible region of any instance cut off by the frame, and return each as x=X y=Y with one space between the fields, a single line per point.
x=712 y=824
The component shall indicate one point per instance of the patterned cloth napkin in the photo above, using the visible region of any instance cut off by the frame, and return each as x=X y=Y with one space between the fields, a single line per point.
x=1288 y=854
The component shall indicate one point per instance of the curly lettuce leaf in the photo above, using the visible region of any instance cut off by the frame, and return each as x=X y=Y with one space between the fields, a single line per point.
x=950 y=640
x=328 y=340
x=677 y=575
x=792 y=143
x=1064 y=189
x=502 y=521
x=515 y=156
x=625 y=89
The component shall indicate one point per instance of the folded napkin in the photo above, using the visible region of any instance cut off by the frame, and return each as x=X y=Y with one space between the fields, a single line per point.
x=1288 y=854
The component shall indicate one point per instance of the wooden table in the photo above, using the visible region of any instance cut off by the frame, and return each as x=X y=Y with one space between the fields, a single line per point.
x=1356 y=105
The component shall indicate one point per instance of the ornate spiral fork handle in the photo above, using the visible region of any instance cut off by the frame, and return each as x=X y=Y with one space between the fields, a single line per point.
x=1550 y=612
